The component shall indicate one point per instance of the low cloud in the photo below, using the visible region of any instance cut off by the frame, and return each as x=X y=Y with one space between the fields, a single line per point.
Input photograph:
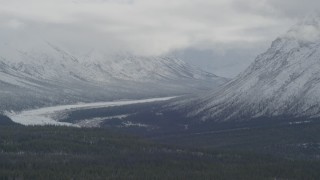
x=151 y=28
x=308 y=30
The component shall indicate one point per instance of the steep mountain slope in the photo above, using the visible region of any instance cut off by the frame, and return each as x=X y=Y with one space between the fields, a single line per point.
x=41 y=74
x=283 y=81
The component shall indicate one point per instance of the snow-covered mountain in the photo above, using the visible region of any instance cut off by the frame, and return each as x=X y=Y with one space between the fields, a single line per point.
x=283 y=81
x=41 y=73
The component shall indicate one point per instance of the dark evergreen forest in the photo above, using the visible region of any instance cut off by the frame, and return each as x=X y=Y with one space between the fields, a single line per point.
x=50 y=152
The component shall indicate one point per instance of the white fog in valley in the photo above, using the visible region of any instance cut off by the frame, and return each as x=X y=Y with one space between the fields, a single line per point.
x=69 y=51
x=159 y=89
x=52 y=115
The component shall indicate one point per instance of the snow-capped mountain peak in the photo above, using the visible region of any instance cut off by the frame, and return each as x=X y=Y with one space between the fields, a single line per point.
x=283 y=81
x=48 y=73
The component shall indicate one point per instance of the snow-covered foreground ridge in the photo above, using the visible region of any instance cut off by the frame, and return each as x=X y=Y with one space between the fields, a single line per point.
x=47 y=115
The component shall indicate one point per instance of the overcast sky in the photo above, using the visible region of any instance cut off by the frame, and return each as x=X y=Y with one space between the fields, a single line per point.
x=221 y=36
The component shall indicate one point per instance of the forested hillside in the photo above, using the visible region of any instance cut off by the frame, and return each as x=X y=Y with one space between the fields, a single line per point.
x=73 y=153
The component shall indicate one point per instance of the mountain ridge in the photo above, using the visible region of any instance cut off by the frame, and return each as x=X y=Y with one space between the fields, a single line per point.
x=283 y=81
x=45 y=74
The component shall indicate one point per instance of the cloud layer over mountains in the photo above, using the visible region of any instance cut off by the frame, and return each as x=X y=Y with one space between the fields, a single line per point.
x=145 y=27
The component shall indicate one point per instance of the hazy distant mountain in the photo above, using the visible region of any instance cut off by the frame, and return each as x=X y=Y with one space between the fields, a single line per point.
x=283 y=81
x=41 y=73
